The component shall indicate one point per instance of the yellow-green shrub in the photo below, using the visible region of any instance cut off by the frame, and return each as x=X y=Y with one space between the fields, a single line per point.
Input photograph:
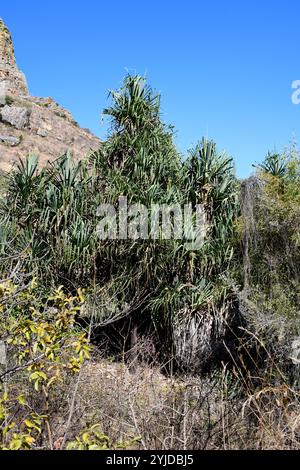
x=43 y=343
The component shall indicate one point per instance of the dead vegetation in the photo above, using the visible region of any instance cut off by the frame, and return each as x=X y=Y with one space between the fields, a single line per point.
x=159 y=412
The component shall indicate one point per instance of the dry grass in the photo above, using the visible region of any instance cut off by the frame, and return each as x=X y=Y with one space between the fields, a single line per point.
x=169 y=413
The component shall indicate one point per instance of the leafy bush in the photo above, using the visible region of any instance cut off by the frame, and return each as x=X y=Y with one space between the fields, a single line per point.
x=43 y=346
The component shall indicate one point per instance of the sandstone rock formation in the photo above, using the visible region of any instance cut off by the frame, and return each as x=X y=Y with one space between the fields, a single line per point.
x=33 y=125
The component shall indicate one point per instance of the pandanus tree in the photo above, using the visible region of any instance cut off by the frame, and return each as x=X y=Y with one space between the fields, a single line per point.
x=50 y=213
x=169 y=284
x=139 y=161
x=274 y=164
x=210 y=180
x=201 y=301
x=49 y=219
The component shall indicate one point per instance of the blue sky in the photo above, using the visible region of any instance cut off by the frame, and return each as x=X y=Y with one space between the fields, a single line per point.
x=224 y=68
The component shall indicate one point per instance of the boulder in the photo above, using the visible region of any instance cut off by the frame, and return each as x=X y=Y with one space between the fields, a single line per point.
x=10 y=140
x=15 y=116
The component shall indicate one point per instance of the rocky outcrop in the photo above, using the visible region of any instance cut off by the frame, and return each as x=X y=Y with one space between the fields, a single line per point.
x=15 y=116
x=30 y=125
x=9 y=140
x=10 y=76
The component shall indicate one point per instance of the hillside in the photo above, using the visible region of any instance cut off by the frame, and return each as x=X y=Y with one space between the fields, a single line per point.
x=30 y=125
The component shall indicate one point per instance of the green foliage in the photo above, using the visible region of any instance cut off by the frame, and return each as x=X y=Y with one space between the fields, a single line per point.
x=43 y=345
x=274 y=164
x=275 y=254
x=270 y=252
x=248 y=265
x=210 y=180
x=49 y=216
x=94 y=439
x=135 y=106
x=9 y=100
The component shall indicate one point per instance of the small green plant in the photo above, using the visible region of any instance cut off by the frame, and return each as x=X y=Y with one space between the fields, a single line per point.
x=94 y=439
x=9 y=100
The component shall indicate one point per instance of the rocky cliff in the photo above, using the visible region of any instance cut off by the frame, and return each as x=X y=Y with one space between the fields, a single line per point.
x=33 y=125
